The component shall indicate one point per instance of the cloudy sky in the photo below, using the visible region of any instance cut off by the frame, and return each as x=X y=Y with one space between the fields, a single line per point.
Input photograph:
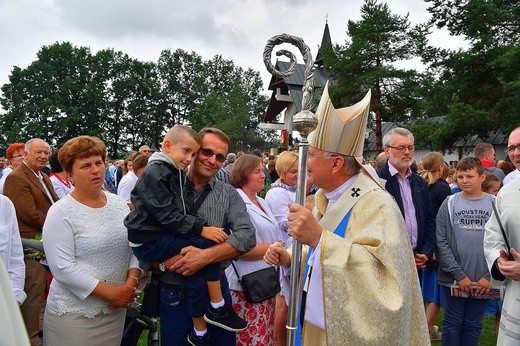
x=237 y=30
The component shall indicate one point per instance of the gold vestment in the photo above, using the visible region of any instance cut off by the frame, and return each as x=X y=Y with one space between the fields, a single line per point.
x=370 y=282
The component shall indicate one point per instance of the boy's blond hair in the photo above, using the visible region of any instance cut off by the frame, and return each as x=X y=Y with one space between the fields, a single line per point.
x=176 y=134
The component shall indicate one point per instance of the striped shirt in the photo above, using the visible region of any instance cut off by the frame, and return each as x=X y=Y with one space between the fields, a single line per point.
x=223 y=207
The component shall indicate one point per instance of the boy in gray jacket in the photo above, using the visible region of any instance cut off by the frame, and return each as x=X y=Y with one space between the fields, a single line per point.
x=164 y=221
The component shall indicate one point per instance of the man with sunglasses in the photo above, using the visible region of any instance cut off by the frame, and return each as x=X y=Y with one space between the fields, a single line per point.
x=410 y=192
x=221 y=206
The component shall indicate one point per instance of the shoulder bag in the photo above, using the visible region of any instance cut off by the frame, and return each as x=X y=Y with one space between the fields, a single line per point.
x=259 y=285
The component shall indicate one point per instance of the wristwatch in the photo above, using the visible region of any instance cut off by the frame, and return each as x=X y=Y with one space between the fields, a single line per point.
x=162 y=267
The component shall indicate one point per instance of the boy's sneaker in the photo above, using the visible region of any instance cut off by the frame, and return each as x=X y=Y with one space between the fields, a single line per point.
x=204 y=340
x=225 y=318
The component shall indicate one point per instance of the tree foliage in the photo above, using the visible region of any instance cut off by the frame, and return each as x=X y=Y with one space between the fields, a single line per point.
x=486 y=23
x=475 y=89
x=367 y=61
x=68 y=91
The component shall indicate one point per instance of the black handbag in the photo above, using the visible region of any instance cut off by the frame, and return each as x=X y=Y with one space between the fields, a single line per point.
x=259 y=285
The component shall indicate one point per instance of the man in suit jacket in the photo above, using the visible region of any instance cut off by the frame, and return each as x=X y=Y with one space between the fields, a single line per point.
x=410 y=192
x=32 y=194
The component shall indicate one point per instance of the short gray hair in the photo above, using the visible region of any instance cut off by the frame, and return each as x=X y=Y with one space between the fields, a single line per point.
x=31 y=141
x=389 y=136
x=351 y=165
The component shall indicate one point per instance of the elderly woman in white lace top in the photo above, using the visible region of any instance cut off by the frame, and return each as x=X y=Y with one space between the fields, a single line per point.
x=85 y=240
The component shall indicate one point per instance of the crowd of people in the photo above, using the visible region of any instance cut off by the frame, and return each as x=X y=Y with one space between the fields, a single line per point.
x=385 y=247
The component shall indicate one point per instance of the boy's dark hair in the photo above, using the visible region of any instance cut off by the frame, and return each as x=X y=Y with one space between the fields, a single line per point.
x=470 y=162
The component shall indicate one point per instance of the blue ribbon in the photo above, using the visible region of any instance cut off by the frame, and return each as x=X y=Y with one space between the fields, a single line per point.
x=340 y=231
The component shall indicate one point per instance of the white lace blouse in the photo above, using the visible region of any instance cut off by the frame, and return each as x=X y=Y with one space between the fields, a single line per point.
x=84 y=245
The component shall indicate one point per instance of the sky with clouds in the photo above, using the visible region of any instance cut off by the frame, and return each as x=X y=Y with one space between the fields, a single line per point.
x=236 y=30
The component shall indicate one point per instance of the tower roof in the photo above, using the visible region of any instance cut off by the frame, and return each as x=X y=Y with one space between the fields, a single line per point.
x=326 y=41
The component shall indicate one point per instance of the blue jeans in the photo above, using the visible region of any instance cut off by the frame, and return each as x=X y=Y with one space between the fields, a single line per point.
x=462 y=322
x=176 y=322
x=196 y=285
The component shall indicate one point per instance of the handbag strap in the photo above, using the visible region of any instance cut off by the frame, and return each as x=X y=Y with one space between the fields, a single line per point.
x=235 y=269
x=203 y=194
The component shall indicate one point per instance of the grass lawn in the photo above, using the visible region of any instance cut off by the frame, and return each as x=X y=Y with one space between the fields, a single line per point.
x=487 y=337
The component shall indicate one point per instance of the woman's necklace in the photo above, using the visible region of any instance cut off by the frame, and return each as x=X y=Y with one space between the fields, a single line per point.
x=65 y=182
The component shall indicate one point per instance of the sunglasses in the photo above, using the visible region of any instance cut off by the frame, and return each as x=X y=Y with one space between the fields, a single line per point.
x=209 y=153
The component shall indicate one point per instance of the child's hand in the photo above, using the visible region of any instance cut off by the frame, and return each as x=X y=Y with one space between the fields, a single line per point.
x=215 y=234
x=483 y=287
x=465 y=285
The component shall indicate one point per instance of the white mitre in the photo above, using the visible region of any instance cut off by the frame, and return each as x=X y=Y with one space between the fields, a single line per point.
x=342 y=130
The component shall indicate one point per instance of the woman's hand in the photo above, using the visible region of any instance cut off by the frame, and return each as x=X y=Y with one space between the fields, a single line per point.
x=117 y=296
x=215 y=234
x=122 y=296
x=277 y=255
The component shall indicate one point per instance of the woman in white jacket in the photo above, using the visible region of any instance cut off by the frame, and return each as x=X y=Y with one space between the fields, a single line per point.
x=248 y=178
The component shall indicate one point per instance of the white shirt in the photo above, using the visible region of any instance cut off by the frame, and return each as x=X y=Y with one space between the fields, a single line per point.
x=11 y=251
x=278 y=197
x=83 y=246
x=266 y=231
x=126 y=185
x=512 y=176
x=60 y=187
x=5 y=173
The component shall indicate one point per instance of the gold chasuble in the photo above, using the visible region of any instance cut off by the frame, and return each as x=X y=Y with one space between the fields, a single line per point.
x=371 y=292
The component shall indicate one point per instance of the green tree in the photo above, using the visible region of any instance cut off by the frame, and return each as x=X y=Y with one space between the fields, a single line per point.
x=234 y=103
x=485 y=23
x=475 y=89
x=367 y=61
x=54 y=98
x=68 y=92
x=182 y=85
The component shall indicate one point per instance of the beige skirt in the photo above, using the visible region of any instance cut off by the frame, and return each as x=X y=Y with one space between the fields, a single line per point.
x=77 y=330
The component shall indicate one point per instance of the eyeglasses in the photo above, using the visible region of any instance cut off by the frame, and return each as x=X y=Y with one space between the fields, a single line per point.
x=16 y=156
x=403 y=149
x=209 y=153
x=512 y=148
